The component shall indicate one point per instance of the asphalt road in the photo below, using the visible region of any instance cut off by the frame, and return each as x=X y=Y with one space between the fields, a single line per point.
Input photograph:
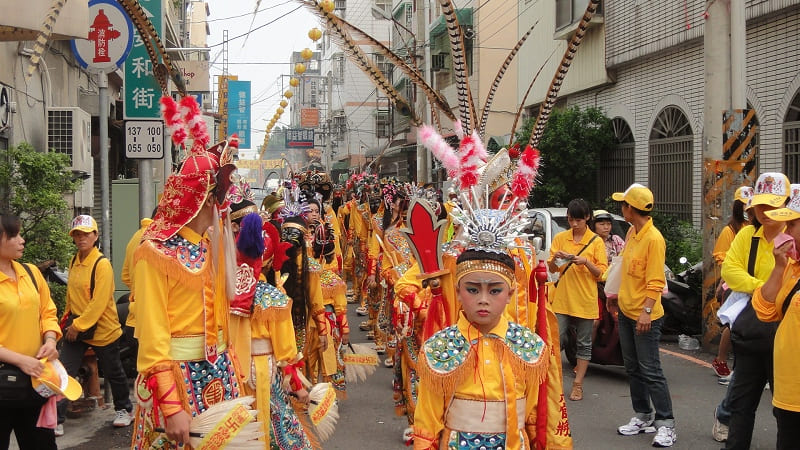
x=367 y=419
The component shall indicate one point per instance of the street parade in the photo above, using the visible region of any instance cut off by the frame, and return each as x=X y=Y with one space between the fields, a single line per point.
x=432 y=251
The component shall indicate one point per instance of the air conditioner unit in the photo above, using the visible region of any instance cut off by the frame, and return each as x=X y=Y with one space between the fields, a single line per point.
x=69 y=131
x=5 y=108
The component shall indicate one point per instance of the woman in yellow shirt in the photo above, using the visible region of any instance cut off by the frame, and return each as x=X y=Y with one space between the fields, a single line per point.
x=28 y=332
x=90 y=300
x=583 y=260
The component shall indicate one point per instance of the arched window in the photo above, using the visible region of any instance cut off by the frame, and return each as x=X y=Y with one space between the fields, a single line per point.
x=671 y=163
x=616 y=164
x=791 y=140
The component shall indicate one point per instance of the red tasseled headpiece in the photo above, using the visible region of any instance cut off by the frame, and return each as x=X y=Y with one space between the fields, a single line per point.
x=172 y=118
x=525 y=176
x=194 y=120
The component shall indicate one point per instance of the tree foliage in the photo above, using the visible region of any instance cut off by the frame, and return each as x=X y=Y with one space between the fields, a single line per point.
x=570 y=147
x=33 y=186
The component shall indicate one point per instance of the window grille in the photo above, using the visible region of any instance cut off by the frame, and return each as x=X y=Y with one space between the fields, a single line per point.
x=670 y=150
x=616 y=166
x=383 y=124
x=791 y=140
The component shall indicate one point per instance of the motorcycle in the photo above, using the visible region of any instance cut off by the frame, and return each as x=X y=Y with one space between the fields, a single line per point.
x=683 y=301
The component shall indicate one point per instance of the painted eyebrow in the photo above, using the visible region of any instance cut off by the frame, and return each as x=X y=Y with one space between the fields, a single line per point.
x=491 y=283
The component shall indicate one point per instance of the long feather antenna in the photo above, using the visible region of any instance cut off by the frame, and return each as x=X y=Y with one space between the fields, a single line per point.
x=342 y=37
x=561 y=73
x=496 y=83
x=525 y=97
x=412 y=73
x=252 y=21
x=44 y=34
x=466 y=105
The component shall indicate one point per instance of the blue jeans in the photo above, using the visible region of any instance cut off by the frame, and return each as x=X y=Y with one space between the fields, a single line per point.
x=645 y=377
x=723 y=412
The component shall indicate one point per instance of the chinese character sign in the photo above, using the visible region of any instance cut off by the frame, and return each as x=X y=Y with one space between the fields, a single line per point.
x=239 y=111
x=141 y=88
x=109 y=38
x=299 y=138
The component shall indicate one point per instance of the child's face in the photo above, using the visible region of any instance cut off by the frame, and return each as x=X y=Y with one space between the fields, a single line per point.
x=483 y=297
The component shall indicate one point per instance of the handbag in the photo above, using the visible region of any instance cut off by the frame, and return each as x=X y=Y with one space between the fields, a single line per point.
x=748 y=333
x=613 y=276
x=16 y=390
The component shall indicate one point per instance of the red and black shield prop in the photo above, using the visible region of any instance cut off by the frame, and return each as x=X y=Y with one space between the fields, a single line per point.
x=425 y=236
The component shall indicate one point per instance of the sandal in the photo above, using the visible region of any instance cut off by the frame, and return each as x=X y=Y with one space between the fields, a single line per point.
x=388 y=363
x=577 y=392
x=408 y=436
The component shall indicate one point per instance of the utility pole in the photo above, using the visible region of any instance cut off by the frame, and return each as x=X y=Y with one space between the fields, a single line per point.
x=329 y=134
x=727 y=136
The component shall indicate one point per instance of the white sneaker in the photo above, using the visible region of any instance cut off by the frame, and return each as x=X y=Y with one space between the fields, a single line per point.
x=122 y=419
x=719 y=431
x=636 y=426
x=59 y=431
x=665 y=437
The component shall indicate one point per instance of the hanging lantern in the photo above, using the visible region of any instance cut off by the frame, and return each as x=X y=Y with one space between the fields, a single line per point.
x=327 y=5
x=306 y=53
x=284 y=103
x=314 y=34
x=299 y=68
x=294 y=82
x=280 y=110
x=288 y=94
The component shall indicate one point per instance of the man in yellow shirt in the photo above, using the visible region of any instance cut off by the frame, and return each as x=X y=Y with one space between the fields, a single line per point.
x=641 y=319
x=90 y=301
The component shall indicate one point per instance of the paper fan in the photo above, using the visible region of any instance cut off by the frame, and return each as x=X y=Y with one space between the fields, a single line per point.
x=323 y=409
x=360 y=362
x=231 y=423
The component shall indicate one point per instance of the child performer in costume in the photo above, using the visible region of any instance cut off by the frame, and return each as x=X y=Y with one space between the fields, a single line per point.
x=182 y=303
x=480 y=377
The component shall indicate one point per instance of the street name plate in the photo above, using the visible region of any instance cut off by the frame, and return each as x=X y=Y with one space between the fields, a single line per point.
x=144 y=139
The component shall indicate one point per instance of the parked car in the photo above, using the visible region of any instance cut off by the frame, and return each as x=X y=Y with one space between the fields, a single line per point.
x=547 y=222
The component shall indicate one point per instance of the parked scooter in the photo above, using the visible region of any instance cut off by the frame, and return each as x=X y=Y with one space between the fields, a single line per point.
x=683 y=302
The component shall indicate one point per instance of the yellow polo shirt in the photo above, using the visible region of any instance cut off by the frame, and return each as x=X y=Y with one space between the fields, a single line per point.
x=576 y=294
x=127 y=268
x=787 y=340
x=723 y=244
x=25 y=314
x=734 y=268
x=642 y=271
x=98 y=309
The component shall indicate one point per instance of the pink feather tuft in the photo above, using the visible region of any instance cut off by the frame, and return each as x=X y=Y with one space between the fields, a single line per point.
x=479 y=147
x=194 y=120
x=525 y=176
x=434 y=142
x=172 y=118
x=469 y=155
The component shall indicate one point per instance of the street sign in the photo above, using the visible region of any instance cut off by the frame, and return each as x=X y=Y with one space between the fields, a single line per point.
x=108 y=39
x=141 y=88
x=239 y=111
x=299 y=138
x=144 y=139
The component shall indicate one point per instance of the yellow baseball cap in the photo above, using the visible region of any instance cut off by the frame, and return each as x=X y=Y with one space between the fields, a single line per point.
x=83 y=223
x=637 y=196
x=772 y=189
x=792 y=209
x=744 y=194
x=54 y=380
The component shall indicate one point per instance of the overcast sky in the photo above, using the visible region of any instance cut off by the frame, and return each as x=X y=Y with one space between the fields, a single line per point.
x=279 y=29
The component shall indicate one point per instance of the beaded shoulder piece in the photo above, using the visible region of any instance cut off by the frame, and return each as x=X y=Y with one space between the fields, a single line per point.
x=524 y=343
x=268 y=296
x=176 y=256
x=314 y=265
x=377 y=221
x=446 y=350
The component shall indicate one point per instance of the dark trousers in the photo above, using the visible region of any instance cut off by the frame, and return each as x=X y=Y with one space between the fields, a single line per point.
x=753 y=371
x=643 y=366
x=71 y=355
x=23 y=422
x=788 y=428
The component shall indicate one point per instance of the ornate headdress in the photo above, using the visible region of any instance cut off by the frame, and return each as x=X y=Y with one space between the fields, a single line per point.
x=202 y=172
x=316 y=181
x=294 y=206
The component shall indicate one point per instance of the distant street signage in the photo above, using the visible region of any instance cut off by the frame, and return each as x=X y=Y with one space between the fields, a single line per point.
x=309 y=117
x=141 y=88
x=108 y=39
x=239 y=111
x=222 y=105
x=144 y=139
x=299 y=138
x=195 y=74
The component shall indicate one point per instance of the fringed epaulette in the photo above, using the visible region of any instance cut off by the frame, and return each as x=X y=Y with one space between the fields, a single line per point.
x=446 y=350
x=270 y=303
x=314 y=265
x=177 y=258
x=332 y=284
x=525 y=344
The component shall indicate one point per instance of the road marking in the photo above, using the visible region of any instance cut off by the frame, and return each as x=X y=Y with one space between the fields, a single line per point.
x=686 y=357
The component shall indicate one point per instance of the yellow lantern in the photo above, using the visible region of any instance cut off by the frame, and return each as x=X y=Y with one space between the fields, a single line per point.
x=314 y=34
x=294 y=82
x=284 y=103
x=306 y=53
x=280 y=110
x=299 y=68
x=327 y=5
x=288 y=94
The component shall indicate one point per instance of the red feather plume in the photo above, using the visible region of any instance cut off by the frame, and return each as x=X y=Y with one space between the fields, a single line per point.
x=525 y=176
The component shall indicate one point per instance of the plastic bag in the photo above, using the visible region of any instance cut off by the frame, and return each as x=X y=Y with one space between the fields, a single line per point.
x=732 y=307
x=613 y=276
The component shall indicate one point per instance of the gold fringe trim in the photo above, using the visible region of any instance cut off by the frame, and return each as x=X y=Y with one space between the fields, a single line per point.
x=334 y=290
x=181 y=387
x=273 y=313
x=172 y=268
x=445 y=384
